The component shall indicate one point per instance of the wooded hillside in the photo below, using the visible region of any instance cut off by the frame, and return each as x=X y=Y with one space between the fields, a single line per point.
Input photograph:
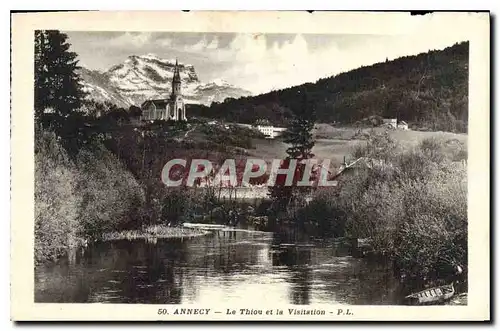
x=429 y=90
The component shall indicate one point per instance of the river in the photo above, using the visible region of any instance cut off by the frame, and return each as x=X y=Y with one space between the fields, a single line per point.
x=225 y=267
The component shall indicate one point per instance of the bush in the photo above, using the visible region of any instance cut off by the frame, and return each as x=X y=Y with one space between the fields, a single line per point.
x=412 y=204
x=111 y=197
x=174 y=206
x=79 y=198
x=434 y=230
x=379 y=145
x=322 y=218
x=56 y=199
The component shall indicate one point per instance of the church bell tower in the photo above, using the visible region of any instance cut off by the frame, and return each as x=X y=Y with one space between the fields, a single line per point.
x=176 y=108
x=176 y=81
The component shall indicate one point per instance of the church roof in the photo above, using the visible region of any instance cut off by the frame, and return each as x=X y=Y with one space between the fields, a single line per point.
x=159 y=103
x=162 y=103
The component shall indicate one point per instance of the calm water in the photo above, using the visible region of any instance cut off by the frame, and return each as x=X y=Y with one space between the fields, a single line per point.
x=228 y=267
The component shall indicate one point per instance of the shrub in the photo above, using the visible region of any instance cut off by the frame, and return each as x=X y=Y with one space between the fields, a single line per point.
x=412 y=204
x=321 y=217
x=174 y=206
x=80 y=197
x=111 y=197
x=56 y=199
x=434 y=228
x=379 y=145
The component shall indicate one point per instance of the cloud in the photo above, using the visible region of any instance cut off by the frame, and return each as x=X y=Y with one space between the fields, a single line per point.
x=260 y=67
x=130 y=39
x=164 y=42
x=203 y=44
x=199 y=47
x=261 y=62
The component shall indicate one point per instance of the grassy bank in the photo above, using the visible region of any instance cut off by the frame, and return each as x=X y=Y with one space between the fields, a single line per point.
x=155 y=231
x=335 y=142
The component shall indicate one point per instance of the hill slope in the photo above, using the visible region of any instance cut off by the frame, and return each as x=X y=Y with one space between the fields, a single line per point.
x=429 y=89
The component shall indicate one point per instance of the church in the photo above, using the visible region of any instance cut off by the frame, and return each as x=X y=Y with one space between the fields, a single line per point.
x=172 y=108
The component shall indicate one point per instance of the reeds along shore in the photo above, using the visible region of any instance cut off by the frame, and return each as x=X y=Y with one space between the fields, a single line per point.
x=155 y=232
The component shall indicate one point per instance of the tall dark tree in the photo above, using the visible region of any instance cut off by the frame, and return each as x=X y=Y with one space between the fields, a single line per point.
x=299 y=132
x=58 y=92
x=299 y=136
x=57 y=84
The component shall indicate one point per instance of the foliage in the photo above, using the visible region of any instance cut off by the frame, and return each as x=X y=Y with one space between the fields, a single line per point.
x=299 y=137
x=79 y=198
x=433 y=235
x=231 y=136
x=380 y=146
x=111 y=197
x=57 y=85
x=58 y=91
x=321 y=217
x=56 y=198
x=412 y=204
x=153 y=232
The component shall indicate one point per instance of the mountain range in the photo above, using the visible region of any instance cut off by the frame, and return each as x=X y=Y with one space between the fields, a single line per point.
x=144 y=77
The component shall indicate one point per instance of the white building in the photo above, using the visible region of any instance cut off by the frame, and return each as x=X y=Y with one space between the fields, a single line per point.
x=270 y=131
x=403 y=125
x=390 y=122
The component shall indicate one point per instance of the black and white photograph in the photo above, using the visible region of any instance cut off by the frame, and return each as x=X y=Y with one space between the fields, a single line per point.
x=208 y=173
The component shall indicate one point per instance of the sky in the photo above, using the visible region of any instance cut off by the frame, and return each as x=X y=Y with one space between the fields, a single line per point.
x=256 y=62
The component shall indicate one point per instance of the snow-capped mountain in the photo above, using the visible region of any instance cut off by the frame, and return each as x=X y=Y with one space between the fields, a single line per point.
x=99 y=88
x=144 y=77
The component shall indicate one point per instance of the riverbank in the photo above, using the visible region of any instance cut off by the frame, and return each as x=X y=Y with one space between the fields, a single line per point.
x=458 y=300
x=155 y=231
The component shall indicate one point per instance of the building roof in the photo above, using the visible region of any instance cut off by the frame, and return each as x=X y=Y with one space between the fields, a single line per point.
x=162 y=103
x=159 y=103
x=361 y=163
x=263 y=121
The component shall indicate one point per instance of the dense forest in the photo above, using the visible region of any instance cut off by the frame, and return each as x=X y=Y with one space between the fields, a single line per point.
x=429 y=90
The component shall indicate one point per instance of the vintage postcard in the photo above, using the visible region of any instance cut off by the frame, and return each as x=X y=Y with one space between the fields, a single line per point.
x=250 y=166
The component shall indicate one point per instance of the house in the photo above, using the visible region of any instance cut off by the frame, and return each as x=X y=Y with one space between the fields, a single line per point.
x=403 y=125
x=390 y=122
x=271 y=131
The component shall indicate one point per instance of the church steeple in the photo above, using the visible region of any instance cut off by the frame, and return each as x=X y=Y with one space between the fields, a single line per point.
x=171 y=108
x=176 y=80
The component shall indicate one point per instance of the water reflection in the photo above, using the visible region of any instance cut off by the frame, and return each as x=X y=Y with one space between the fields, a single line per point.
x=228 y=267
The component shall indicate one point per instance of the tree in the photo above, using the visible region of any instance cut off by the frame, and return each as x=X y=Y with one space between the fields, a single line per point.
x=135 y=111
x=299 y=136
x=57 y=84
x=58 y=92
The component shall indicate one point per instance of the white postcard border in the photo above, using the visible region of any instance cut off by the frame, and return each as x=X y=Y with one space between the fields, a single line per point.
x=475 y=26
